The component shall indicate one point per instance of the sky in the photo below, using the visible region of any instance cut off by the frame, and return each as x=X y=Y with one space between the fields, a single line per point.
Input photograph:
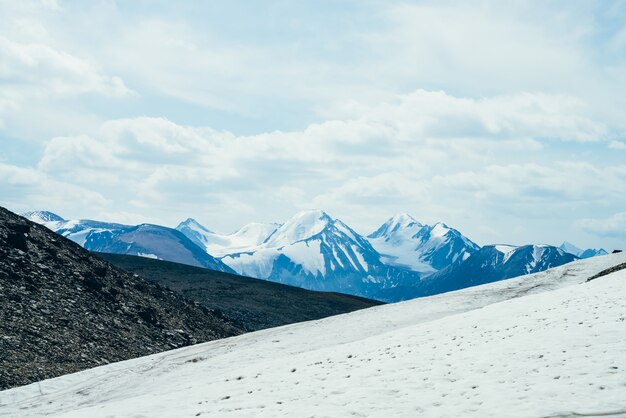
x=504 y=120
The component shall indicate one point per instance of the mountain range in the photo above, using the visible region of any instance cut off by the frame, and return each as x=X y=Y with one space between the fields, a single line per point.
x=489 y=264
x=310 y=250
x=401 y=259
x=580 y=253
x=146 y=240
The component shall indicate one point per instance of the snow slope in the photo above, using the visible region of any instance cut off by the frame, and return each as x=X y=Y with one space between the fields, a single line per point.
x=246 y=239
x=547 y=344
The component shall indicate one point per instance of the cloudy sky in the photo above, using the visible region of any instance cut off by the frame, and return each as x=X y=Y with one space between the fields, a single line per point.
x=506 y=121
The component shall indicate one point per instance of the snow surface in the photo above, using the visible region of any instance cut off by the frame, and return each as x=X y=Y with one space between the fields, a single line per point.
x=439 y=230
x=248 y=238
x=505 y=249
x=149 y=255
x=43 y=217
x=257 y=264
x=308 y=254
x=547 y=344
x=303 y=225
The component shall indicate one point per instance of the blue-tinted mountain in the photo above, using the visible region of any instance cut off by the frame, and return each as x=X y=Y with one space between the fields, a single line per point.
x=402 y=259
x=580 y=253
x=145 y=240
x=314 y=251
x=489 y=264
x=592 y=252
x=403 y=241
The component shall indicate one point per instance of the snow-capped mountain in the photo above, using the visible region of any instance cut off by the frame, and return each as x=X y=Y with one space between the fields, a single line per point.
x=403 y=241
x=42 y=217
x=544 y=345
x=580 y=253
x=489 y=264
x=592 y=252
x=314 y=251
x=400 y=260
x=144 y=240
x=245 y=239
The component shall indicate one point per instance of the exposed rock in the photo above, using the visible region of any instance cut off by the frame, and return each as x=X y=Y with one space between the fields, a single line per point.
x=64 y=310
x=608 y=271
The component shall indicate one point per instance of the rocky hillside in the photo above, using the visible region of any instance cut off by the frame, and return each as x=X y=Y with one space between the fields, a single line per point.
x=64 y=310
x=255 y=304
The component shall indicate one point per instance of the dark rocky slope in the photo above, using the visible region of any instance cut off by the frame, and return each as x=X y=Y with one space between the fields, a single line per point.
x=63 y=310
x=254 y=303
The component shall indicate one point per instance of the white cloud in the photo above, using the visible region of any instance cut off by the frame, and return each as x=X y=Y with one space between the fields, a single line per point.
x=478 y=115
x=406 y=155
x=26 y=188
x=35 y=70
x=41 y=80
x=423 y=113
x=613 y=226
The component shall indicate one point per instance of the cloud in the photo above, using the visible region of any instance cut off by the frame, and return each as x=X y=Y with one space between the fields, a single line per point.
x=617 y=145
x=38 y=75
x=26 y=188
x=414 y=154
x=35 y=70
x=525 y=115
x=613 y=226
x=417 y=132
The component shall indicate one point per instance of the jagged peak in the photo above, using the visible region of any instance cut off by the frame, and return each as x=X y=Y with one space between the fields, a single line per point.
x=402 y=219
x=439 y=230
x=568 y=247
x=396 y=223
x=301 y=226
x=310 y=214
x=191 y=223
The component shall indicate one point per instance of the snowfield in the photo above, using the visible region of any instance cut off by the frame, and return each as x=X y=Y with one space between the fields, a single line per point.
x=545 y=345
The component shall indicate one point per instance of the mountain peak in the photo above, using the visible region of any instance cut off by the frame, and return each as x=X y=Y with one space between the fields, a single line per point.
x=42 y=216
x=396 y=223
x=568 y=247
x=402 y=218
x=439 y=230
x=311 y=214
x=192 y=224
x=301 y=226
